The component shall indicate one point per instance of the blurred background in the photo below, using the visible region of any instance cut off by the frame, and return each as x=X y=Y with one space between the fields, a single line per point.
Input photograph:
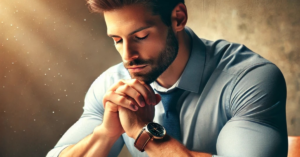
x=51 y=51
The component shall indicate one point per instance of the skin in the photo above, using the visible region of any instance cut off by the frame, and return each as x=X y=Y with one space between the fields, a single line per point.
x=129 y=104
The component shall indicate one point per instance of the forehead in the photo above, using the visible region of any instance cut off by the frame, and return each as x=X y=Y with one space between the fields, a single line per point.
x=129 y=18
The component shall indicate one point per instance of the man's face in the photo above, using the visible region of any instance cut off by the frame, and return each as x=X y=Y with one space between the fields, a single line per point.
x=147 y=46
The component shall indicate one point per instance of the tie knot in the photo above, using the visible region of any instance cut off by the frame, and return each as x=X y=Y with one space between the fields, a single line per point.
x=170 y=99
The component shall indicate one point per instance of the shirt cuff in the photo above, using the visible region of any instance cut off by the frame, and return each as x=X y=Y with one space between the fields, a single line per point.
x=56 y=151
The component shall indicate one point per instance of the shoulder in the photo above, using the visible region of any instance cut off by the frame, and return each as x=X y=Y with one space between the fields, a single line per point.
x=256 y=86
x=259 y=93
x=231 y=57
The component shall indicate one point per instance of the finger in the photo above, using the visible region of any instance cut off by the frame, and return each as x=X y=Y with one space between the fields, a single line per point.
x=131 y=92
x=140 y=86
x=142 y=89
x=121 y=100
x=112 y=89
x=111 y=106
x=136 y=95
x=116 y=85
x=151 y=91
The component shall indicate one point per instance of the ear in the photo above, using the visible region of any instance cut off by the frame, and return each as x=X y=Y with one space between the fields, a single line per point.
x=179 y=17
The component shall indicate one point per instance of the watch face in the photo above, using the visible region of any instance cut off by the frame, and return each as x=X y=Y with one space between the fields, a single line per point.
x=156 y=130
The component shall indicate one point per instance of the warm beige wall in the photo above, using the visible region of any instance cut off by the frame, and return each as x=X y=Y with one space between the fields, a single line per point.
x=51 y=51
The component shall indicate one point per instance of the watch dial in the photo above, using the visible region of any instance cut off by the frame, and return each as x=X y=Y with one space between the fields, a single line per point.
x=156 y=129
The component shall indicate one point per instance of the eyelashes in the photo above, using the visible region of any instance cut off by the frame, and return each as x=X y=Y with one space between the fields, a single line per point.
x=138 y=38
x=142 y=37
x=118 y=41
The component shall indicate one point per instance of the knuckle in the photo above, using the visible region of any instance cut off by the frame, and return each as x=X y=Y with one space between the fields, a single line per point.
x=126 y=87
x=135 y=81
x=108 y=93
x=119 y=89
x=108 y=103
x=138 y=95
x=115 y=84
x=142 y=82
x=122 y=99
x=130 y=102
x=122 y=81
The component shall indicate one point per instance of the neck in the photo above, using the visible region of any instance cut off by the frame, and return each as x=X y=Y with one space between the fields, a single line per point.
x=169 y=77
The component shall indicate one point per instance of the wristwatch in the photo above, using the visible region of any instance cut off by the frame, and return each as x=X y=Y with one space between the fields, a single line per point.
x=150 y=131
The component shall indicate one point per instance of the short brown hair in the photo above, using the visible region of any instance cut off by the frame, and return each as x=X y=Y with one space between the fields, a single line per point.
x=163 y=8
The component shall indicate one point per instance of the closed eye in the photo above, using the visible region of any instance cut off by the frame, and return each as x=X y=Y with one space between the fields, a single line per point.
x=117 y=39
x=141 y=38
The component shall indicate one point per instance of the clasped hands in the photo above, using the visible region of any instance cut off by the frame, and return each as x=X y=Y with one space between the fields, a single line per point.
x=129 y=105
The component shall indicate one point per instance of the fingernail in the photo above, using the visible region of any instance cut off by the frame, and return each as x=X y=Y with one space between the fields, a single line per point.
x=143 y=103
x=134 y=107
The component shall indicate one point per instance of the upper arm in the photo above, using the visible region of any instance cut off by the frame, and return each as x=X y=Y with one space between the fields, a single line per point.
x=258 y=123
x=89 y=120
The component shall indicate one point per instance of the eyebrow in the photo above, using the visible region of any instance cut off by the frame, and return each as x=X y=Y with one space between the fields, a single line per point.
x=137 y=30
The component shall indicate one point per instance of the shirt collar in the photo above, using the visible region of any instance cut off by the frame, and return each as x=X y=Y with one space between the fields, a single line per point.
x=190 y=79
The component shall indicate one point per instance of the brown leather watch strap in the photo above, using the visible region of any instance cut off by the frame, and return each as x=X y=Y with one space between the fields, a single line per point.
x=142 y=140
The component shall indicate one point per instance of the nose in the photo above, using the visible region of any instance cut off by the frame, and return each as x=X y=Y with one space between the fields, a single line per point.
x=129 y=53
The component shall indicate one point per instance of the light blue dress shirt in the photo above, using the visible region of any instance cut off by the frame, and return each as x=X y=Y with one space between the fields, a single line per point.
x=233 y=104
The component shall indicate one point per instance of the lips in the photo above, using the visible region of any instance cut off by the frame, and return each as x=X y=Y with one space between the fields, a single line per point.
x=136 y=68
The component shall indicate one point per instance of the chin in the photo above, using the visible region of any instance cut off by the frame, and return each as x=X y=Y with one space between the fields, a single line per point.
x=145 y=78
x=148 y=77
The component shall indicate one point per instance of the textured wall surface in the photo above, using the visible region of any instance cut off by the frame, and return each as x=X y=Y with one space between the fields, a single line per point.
x=51 y=51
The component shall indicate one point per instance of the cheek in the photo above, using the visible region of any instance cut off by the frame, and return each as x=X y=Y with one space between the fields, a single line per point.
x=151 y=50
x=119 y=49
x=154 y=46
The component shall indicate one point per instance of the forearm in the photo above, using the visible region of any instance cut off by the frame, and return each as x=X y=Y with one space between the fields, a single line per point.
x=170 y=147
x=95 y=144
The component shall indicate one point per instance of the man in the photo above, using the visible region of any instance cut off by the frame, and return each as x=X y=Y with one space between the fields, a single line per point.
x=225 y=99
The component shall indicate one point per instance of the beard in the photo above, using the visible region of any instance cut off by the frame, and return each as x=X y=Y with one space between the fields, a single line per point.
x=161 y=63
